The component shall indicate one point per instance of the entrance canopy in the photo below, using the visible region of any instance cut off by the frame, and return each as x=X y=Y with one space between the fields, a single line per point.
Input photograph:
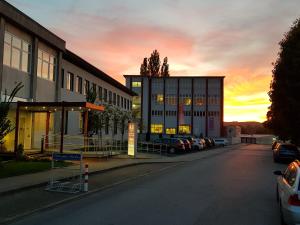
x=51 y=107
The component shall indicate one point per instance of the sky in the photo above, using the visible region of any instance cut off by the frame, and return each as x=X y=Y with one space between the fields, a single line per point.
x=233 y=38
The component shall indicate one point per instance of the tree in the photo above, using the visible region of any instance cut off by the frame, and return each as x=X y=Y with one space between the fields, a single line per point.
x=165 y=68
x=144 y=68
x=151 y=67
x=6 y=126
x=283 y=116
x=154 y=64
x=125 y=117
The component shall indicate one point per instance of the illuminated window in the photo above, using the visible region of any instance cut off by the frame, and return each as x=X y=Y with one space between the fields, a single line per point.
x=136 y=84
x=187 y=101
x=170 y=130
x=184 y=129
x=160 y=98
x=156 y=128
x=199 y=101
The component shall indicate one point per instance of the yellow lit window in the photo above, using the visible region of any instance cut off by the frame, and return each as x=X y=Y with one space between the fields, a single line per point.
x=156 y=128
x=136 y=84
x=160 y=99
x=199 y=101
x=187 y=101
x=184 y=129
x=170 y=130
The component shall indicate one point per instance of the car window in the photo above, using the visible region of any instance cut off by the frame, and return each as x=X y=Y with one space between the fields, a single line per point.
x=290 y=174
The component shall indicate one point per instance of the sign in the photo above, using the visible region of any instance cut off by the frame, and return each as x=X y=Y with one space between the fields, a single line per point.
x=70 y=157
x=132 y=139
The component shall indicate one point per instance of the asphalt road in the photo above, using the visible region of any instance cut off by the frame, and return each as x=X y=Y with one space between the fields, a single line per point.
x=236 y=187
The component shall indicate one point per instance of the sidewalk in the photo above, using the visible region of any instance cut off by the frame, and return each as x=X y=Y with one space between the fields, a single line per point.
x=12 y=184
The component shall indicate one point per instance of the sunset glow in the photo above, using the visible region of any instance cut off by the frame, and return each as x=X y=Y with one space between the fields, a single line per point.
x=236 y=39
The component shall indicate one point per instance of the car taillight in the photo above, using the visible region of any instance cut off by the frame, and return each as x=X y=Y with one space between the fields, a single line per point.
x=293 y=200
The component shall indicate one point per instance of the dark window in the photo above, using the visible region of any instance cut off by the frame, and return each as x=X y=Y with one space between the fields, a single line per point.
x=118 y=100
x=105 y=94
x=79 y=84
x=100 y=93
x=122 y=102
x=109 y=97
x=94 y=88
x=114 y=99
x=62 y=78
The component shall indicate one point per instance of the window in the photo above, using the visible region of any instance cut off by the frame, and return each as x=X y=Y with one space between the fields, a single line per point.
x=159 y=99
x=70 y=81
x=170 y=130
x=79 y=84
x=46 y=65
x=109 y=97
x=94 y=86
x=105 y=94
x=118 y=100
x=122 y=102
x=184 y=129
x=86 y=87
x=17 y=53
x=187 y=101
x=156 y=128
x=171 y=100
x=100 y=93
x=62 y=78
x=136 y=84
x=114 y=99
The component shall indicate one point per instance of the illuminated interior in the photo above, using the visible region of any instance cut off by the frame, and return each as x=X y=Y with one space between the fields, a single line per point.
x=160 y=98
x=170 y=130
x=184 y=129
x=136 y=84
x=156 y=128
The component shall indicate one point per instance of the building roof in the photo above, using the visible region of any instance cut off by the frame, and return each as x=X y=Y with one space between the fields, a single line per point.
x=75 y=59
x=170 y=77
x=15 y=16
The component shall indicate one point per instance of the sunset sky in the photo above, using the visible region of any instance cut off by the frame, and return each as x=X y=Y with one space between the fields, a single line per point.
x=235 y=38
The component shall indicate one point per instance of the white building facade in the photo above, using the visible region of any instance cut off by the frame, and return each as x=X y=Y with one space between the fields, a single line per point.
x=178 y=105
x=34 y=56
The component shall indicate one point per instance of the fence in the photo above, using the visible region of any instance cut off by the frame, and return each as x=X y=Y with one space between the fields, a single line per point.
x=152 y=147
x=93 y=146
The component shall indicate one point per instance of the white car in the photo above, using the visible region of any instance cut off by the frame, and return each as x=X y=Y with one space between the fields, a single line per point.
x=221 y=142
x=198 y=144
x=288 y=194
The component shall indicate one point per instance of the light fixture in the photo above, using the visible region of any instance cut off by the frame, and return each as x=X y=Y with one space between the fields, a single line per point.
x=80 y=108
x=44 y=107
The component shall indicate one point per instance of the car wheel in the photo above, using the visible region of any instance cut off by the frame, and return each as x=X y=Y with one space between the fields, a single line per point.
x=197 y=148
x=172 y=150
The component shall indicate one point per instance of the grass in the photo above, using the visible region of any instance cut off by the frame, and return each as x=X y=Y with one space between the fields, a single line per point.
x=16 y=168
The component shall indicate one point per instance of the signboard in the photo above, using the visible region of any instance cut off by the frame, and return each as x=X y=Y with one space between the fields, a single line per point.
x=132 y=139
x=70 y=157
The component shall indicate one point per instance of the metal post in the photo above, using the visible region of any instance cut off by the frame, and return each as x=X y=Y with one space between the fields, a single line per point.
x=62 y=129
x=17 y=128
x=42 y=145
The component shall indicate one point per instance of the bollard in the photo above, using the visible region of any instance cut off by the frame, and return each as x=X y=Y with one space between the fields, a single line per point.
x=42 y=145
x=86 y=178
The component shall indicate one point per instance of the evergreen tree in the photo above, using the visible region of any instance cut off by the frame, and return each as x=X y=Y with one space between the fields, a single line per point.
x=283 y=116
x=154 y=64
x=165 y=68
x=144 y=68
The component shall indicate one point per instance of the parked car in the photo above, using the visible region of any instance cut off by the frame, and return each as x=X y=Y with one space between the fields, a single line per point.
x=288 y=194
x=285 y=151
x=173 y=144
x=208 y=143
x=221 y=142
x=198 y=144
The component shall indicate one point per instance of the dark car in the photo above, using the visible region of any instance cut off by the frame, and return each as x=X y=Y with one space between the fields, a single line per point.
x=173 y=144
x=208 y=143
x=285 y=152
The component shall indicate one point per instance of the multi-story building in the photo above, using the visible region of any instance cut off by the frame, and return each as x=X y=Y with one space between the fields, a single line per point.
x=31 y=54
x=178 y=105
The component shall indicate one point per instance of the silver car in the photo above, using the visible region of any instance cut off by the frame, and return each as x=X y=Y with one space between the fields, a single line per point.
x=288 y=194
